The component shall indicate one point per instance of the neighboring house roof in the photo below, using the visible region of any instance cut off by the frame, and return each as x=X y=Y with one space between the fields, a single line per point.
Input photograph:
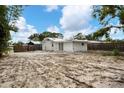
x=35 y=42
x=30 y=43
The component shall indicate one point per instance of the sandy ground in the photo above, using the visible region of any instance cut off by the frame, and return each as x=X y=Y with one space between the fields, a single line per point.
x=66 y=70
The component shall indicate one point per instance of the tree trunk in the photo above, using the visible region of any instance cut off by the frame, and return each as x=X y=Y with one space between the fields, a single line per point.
x=0 y=54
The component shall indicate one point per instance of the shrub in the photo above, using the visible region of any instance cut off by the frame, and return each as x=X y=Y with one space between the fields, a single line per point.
x=115 y=52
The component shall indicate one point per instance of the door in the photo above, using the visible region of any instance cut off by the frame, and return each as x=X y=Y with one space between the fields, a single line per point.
x=61 y=46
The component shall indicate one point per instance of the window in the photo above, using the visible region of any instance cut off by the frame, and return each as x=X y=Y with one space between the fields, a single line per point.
x=47 y=39
x=52 y=44
x=82 y=44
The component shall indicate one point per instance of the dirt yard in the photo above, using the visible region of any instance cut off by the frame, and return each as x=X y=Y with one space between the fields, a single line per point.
x=66 y=70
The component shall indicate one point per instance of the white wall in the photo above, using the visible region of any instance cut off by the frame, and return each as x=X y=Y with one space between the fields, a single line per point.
x=78 y=47
x=68 y=46
x=47 y=45
x=56 y=46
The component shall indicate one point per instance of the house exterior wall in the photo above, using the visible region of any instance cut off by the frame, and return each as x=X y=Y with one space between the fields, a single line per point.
x=68 y=46
x=49 y=45
x=56 y=46
x=78 y=47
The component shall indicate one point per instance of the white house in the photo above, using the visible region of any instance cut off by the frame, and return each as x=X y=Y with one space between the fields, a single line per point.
x=56 y=44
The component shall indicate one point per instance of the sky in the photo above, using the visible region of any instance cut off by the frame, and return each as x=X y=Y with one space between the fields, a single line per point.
x=68 y=20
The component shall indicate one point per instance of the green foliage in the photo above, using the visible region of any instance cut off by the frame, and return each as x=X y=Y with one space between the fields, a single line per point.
x=102 y=32
x=115 y=52
x=18 y=43
x=108 y=40
x=34 y=37
x=8 y=16
x=80 y=36
x=105 y=14
x=3 y=47
x=52 y=35
x=89 y=37
x=40 y=37
x=121 y=17
x=114 y=41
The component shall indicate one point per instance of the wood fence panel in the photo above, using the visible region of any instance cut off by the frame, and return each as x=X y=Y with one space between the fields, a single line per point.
x=106 y=46
x=26 y=48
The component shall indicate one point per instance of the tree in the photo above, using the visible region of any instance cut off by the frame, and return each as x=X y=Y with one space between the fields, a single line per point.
x=80 y=36
x=105 y=14
x=40 y=37
x=8 y=17
x=90 y=37
x=18 y=43
x=34 y=37
x=52 y=35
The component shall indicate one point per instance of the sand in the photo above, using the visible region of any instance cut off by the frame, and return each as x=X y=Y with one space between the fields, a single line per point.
x=61 y=70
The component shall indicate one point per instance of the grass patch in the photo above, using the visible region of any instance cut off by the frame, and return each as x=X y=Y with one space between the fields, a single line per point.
x=115 y=52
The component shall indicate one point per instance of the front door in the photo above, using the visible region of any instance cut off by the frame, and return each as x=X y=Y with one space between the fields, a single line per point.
x=61 y=46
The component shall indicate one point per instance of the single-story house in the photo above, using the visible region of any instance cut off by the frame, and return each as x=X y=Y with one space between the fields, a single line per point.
x=56 y=44
x=37 y=44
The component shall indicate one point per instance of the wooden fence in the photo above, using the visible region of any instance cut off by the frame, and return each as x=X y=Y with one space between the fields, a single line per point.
x=90 y=46
x=106 y=46
x=26 y=48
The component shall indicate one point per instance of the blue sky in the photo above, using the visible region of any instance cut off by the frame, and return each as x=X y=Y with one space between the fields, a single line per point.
x=40 y=18
x=68 y=20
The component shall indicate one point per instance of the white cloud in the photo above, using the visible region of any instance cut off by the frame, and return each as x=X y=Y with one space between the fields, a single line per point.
x=53 y=29
x=69 y=34
x=24 y=31
x=50 y=8
x=21 y=23
x=76 y=19
x=116 y=34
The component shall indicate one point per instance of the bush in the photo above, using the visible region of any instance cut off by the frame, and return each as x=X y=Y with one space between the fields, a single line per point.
x=115 y=52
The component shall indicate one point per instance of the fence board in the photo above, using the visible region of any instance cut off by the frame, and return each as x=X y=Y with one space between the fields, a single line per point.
x=27 y=48
x=106 y=46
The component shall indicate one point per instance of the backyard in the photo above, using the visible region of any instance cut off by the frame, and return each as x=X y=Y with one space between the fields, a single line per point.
x=61 y=70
